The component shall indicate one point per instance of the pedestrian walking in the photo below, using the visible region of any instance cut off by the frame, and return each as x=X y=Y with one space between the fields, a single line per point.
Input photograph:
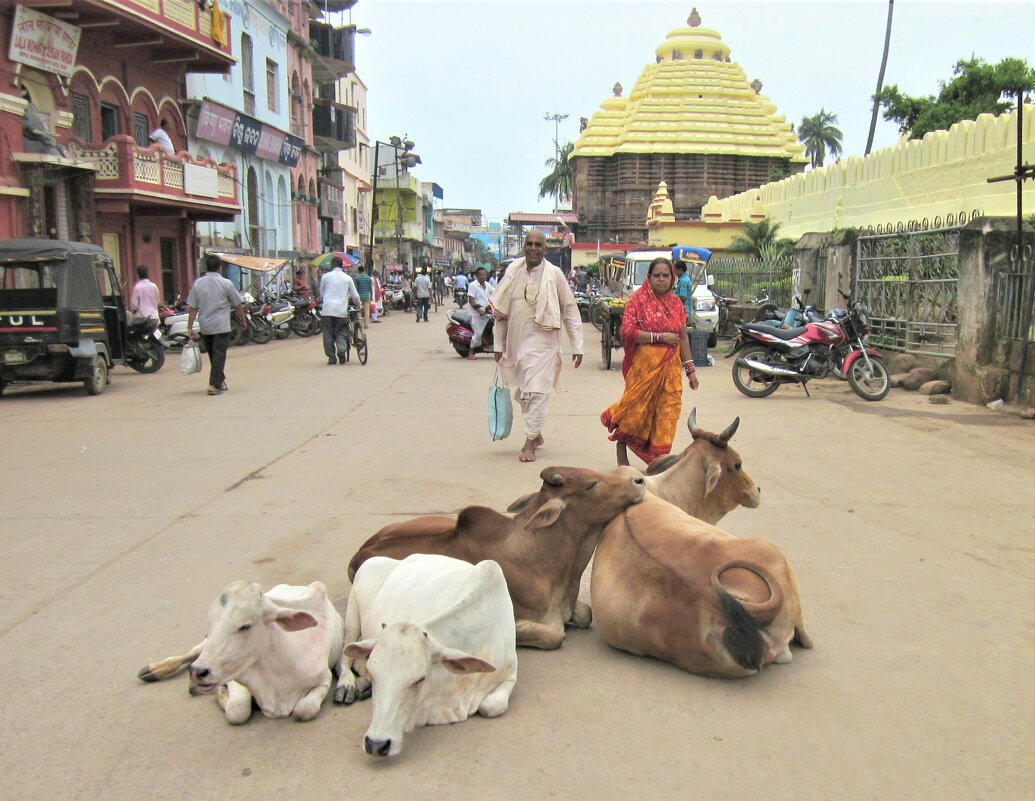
x=422 y=294
x=210 y=301
x=531 y=304
x=336 y=289
x=365 y=287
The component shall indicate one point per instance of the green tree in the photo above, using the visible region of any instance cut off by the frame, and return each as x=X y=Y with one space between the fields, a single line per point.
x=558 y=182
x=977 y=88
x=760 y=240
x=819 y=135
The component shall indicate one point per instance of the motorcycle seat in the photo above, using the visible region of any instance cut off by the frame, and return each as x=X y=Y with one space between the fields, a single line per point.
x=779 y=333
x=461 y=316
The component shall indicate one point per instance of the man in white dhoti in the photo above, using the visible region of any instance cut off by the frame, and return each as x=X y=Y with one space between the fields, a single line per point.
x=531 y=303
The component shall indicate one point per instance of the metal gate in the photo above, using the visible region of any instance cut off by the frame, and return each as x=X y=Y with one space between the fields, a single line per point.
x=908 y=280
x=748 y=278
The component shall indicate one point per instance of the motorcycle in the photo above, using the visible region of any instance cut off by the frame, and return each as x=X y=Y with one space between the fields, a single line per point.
x=793 y=317
x=460 y=333
x=172 y=322
x=145 y=352
x=767 y=357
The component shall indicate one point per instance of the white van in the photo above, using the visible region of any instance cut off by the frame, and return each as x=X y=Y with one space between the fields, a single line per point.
x=638 y=261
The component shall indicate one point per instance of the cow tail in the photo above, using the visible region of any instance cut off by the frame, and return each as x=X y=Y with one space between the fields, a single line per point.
x=743 y=635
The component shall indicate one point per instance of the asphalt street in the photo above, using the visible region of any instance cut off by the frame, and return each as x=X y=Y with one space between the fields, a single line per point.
x=910 y=527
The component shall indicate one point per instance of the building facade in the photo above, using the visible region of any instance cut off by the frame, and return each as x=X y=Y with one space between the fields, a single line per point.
x=85 y=87
x=355 y=164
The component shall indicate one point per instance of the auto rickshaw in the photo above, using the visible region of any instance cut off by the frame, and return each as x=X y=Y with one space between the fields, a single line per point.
x=62 y=315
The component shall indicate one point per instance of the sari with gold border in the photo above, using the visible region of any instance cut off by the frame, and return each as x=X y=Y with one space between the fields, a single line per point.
x=646 y=416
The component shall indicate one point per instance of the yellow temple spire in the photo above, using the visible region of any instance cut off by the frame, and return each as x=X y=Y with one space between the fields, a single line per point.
x=693 y=99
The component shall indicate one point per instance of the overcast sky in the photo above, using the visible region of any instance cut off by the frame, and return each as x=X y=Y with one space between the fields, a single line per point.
x=470 y=82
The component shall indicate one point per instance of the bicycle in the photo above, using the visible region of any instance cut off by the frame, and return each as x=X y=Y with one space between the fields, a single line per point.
x=723 y=322
x=355 y=337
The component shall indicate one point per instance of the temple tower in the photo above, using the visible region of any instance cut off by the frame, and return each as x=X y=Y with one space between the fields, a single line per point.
x=692 y=120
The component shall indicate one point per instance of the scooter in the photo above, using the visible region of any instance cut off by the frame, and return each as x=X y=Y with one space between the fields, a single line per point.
x=172 y=324
x=460 y=333
x=145 y=352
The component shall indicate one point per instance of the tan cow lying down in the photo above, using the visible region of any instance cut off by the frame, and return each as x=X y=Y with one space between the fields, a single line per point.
x=277 y=647
x=543 y=550
x=668 y=585
x=706 y=480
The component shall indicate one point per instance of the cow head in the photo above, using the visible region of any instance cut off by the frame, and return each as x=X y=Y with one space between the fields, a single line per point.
x=707 y=479
x=593 y=498
x=407 y=667
x=240 y=623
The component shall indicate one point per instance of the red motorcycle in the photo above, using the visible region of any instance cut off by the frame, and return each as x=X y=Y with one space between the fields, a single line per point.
x=768 y=357
x=460 y=333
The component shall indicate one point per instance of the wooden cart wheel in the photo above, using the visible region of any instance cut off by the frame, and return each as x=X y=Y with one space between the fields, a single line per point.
x=605 y=344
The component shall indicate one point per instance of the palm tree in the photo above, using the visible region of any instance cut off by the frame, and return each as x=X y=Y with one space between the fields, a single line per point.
x=880 y=78
x=558 y=182
x=760 y=241
x=819 y=135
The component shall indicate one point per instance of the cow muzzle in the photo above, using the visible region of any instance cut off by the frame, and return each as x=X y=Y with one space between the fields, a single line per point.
x=380 y=748
x=201 y=680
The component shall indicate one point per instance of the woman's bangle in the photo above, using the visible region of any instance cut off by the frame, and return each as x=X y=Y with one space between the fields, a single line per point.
x=652 y=337
x=689 y=362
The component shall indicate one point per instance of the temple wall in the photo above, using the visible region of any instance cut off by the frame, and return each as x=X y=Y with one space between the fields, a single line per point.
x=944 y=173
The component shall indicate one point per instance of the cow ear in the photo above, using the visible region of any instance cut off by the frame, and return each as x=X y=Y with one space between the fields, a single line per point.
x=294 y=620
x=359 y=650
x=547 y=514
x=459 y=662
x=711 y=480
x=663 y=463
x=521 y=502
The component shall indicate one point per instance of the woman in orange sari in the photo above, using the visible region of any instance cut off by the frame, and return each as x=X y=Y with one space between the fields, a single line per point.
x=657 y=350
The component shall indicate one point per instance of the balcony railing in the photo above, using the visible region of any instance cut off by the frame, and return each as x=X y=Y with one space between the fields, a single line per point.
x=334 y=128
x=122 y=168
x=334 y=51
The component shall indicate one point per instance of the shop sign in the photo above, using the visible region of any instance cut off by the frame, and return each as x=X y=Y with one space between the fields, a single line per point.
x=201 y=181
x=43 y=42
x=225 y=126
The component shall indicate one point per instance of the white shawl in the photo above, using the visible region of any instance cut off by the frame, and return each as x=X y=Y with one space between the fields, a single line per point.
x=547 y=307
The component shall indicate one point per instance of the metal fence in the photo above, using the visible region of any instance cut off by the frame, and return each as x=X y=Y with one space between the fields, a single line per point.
x=748 y=279
x=908 y=281
x=1012 y=293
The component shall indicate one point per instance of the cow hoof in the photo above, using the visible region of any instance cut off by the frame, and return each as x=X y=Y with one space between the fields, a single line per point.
x=363 y=688
x=345 y=695
x=582 y=616
x=146 y=675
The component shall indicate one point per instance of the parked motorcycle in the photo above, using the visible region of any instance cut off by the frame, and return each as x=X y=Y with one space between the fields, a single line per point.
x=144 y=350
x=767 y=357
x=172 y=322
x=460 y=333
x=798 y=315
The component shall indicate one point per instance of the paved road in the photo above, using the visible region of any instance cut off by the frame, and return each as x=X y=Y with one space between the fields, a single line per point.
x=910 y=527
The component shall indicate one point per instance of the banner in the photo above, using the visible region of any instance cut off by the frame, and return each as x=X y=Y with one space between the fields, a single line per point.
x=224 y=126
x=43 y=42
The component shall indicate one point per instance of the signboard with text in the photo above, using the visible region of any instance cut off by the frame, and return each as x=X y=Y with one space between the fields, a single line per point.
x=43 y=42
x=224 y=126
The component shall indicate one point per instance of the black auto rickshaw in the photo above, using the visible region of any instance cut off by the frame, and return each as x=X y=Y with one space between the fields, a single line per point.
x=62 y=316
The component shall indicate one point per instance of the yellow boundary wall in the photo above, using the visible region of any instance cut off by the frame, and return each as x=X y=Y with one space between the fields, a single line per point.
x=943 y=173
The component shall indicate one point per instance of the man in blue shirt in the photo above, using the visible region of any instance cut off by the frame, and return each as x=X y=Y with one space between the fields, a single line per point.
x=460 y=289
x=684 y=287
x=365 y=287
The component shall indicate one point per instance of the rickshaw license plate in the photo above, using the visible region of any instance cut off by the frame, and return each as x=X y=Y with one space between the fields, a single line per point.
x=15 y=357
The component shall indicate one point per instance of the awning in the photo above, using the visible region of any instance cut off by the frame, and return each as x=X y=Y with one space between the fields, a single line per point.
x=257 y=263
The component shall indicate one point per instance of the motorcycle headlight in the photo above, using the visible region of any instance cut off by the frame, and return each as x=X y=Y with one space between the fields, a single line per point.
x=704 y=305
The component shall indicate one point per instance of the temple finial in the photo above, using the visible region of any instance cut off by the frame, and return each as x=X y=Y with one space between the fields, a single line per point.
x=694 y=20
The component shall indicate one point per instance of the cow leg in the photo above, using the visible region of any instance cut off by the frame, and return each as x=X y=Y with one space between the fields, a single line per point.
x=581 y=615
x=801 y=635
x=156 y=671
x=236 y=701
x=496 y=702
x=539 y=635
x=348 y=689
x=308 y=707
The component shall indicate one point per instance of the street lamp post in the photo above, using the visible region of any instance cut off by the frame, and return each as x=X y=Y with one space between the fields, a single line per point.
x=556 y=118
x=406 y=159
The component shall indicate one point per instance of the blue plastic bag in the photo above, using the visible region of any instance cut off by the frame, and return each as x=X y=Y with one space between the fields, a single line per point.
x=501 y=409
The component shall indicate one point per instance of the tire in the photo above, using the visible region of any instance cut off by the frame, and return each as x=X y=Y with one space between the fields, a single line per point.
x=152 y=361
x=713 y=339
x=98 y=379
x=315 y=327
x=301 y=325
x=749 y=383
x=605 y=348
x=871 y=386
x=360 y=342
x=461 y=350
x=598 y=315
x=262 y=331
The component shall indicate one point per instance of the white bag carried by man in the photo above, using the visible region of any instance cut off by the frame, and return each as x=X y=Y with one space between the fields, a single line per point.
x=190 y=359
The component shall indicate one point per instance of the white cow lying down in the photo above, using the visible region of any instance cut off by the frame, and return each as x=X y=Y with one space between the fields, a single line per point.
x=277 y=647
x=438 y=644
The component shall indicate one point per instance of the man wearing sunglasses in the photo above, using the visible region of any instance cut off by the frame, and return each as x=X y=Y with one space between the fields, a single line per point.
x=531 y=304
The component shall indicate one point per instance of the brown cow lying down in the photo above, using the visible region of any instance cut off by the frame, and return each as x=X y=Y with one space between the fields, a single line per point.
x=706 y=480
x=543 y=549
x=668 y=585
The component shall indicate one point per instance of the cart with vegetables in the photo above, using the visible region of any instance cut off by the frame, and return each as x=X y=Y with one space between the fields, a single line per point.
x=610 y=330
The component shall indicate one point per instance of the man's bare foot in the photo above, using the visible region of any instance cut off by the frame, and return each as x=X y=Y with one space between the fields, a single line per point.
x=528 y=452
x=538 y=440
